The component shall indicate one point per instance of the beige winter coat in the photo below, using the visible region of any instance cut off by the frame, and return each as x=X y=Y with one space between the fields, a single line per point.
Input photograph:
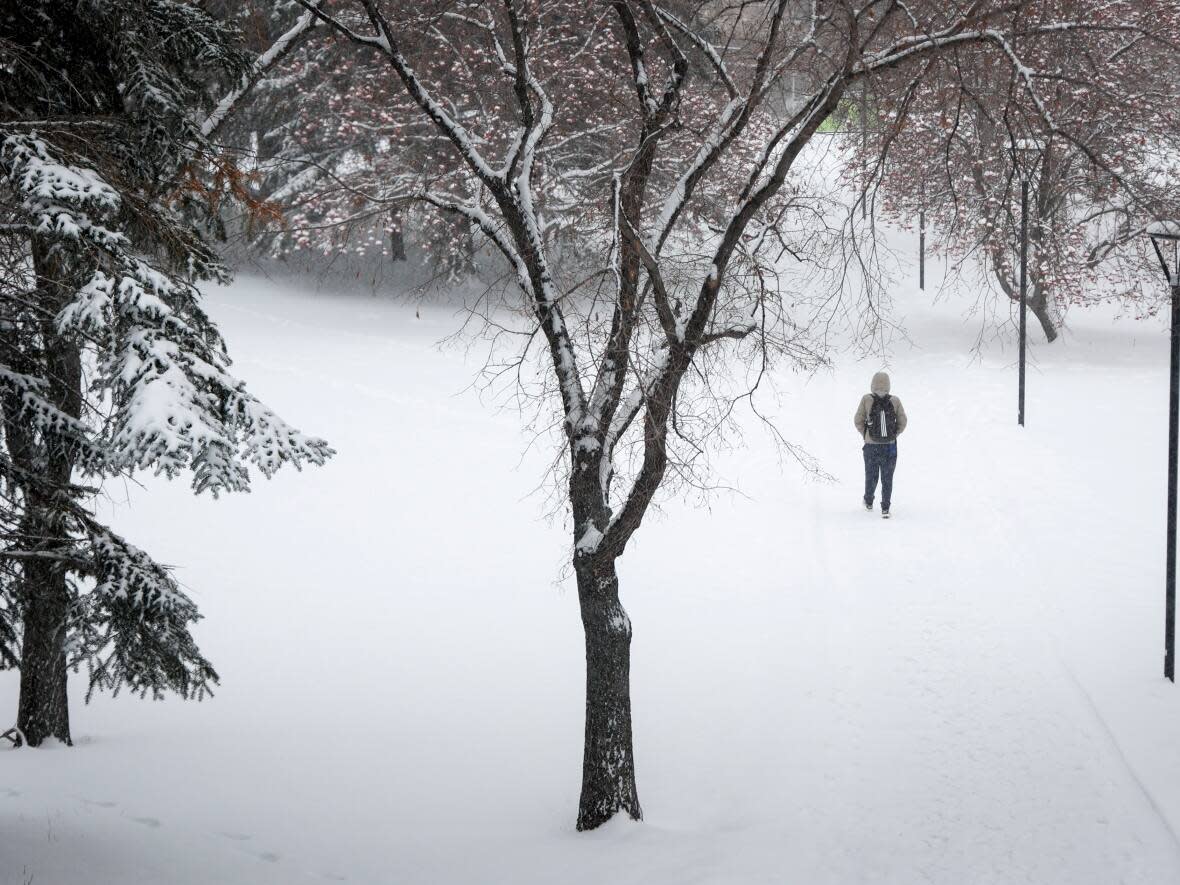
x=880 y=386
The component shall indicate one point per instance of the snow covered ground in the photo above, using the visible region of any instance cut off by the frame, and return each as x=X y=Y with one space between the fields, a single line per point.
x=968 y=694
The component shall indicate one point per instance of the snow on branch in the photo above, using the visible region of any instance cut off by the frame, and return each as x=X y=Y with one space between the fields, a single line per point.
x=387 y=44
x=729 y=123
x=265 y=61
x=24 y=397
x=176 y=405
x=132 y=629
x=707 y=49
x=60 y=199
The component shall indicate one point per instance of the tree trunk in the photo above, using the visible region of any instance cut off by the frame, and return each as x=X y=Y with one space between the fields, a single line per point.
x=43 y=707
x=608 y=764
x=43 y=710
x=1040 y=310
x=1037 y=301
x=397 y=236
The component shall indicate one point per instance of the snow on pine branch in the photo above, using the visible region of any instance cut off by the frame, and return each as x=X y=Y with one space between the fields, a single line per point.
x=24 y=395
x=59 y=198
x=144 y=642
x=176 y=406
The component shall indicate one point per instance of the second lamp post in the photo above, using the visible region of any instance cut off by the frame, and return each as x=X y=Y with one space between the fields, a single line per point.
x=1025 y=154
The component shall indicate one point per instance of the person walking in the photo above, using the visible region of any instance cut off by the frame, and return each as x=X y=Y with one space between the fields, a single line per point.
x=879 y=419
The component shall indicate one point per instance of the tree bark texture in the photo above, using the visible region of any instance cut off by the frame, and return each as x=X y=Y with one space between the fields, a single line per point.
x=608 y=764
x=43 y=709
x=1038 y=301
x=1041 y=311
x=397 y=237
x=43 y=706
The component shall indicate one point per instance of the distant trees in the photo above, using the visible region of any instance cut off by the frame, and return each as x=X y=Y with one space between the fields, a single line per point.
x=107 y=362
x=624 y=160
x=321 y=140
x=1101 y=103
x=336 y=151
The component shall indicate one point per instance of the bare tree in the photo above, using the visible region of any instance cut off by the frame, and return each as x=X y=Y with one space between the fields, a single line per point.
x=1104 y=136
x=680 y=211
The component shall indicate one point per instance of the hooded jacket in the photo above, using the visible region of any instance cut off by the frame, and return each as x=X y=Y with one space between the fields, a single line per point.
x=880 y=386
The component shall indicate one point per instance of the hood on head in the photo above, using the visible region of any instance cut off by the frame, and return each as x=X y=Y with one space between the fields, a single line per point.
x=880 y=385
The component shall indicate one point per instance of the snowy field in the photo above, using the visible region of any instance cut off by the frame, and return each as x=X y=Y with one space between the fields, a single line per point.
x=968 y=694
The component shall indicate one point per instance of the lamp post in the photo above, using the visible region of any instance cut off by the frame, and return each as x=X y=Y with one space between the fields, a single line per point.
x=1024 y=152
x=922 y=233
x=1163 y=234
x=922 y=249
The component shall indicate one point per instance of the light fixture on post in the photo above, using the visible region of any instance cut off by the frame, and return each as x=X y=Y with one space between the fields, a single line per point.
x=1165 y=236
x=1026 y=152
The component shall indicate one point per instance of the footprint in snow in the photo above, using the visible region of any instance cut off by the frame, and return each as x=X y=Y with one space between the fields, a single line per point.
x=147 y=821
x=268 y=856
x=98 y=803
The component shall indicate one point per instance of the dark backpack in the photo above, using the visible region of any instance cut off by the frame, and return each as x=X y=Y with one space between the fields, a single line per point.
x=882 y=423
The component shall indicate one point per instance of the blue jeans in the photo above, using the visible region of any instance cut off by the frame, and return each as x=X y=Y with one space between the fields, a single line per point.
x=880 y=459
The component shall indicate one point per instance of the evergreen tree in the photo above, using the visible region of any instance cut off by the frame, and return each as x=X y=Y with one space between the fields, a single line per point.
x=108 y=364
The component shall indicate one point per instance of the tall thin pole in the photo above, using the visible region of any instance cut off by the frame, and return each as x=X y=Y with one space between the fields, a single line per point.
x=1023 y=292
x=1173 y=415
x=922 y=249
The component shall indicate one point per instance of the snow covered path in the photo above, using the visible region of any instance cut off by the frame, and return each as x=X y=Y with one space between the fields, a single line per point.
x=967 y=694
x=961 y=747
